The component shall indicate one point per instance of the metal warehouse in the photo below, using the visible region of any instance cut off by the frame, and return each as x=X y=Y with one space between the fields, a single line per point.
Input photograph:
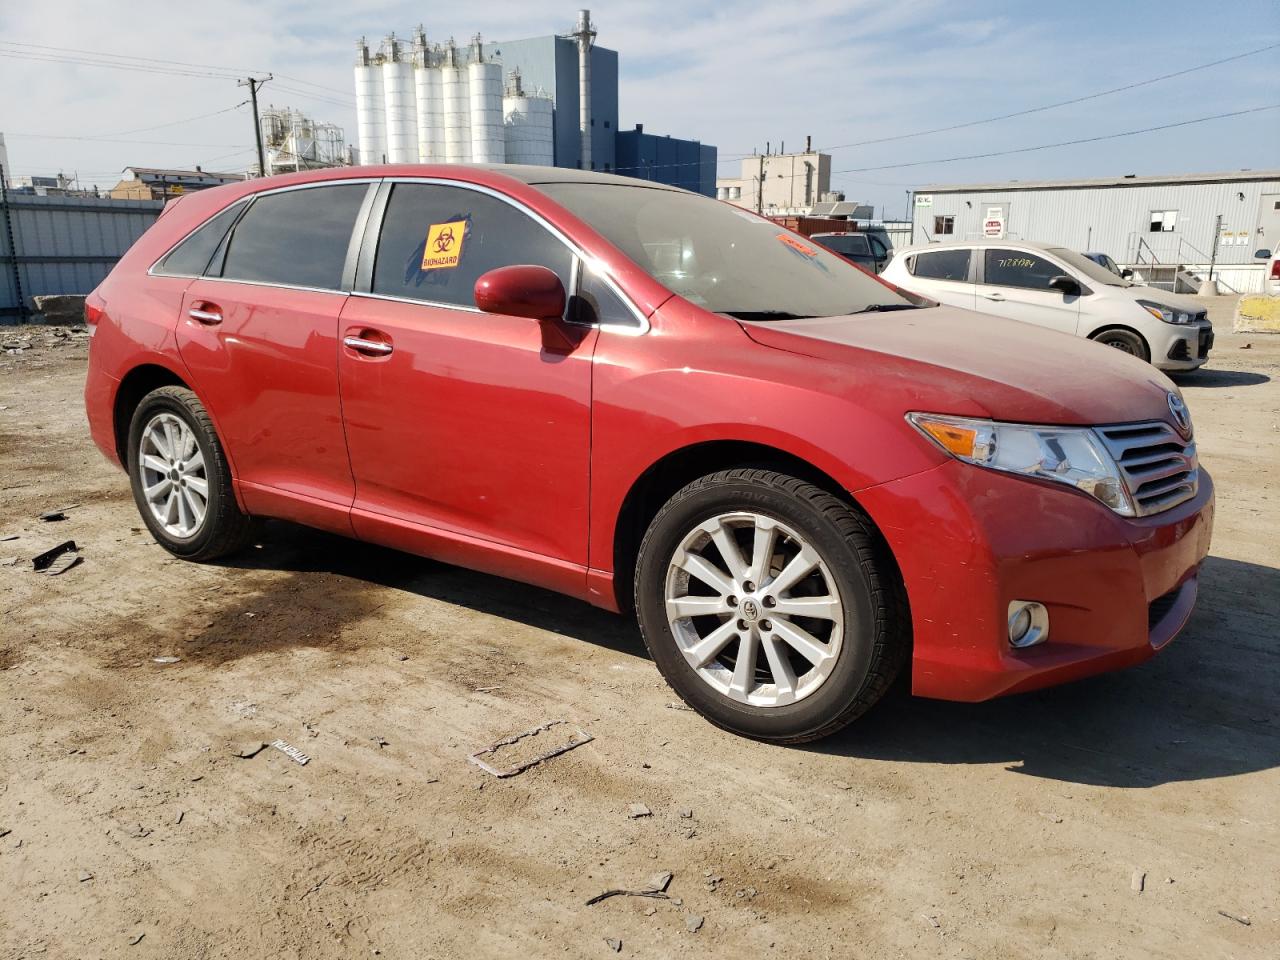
x=1173 y=230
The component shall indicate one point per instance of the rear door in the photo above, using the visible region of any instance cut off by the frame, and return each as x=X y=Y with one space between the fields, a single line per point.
x=1015 y=284
x=465 y=428
x=259 y=335
x=943 y=275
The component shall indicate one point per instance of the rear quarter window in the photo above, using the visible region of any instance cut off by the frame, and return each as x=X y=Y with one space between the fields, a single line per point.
x=942 y=265
x=191 y=257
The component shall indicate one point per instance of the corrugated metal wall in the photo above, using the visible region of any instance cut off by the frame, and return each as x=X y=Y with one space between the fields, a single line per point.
x=1112 y=219
x=64 y=244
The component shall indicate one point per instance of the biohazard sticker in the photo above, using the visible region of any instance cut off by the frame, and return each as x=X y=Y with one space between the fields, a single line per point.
x=444 y=245
x=795 y=244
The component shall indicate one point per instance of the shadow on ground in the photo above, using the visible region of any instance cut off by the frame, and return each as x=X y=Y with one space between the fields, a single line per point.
x=1219 y=378
x=1208 y=706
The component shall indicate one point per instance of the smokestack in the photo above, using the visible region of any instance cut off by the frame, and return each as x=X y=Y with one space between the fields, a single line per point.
x=584 y=34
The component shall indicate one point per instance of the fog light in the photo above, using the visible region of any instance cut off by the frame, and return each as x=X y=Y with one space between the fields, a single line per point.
x=1028 y=623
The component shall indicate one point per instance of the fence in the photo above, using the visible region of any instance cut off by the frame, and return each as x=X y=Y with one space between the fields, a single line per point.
x=51 y=245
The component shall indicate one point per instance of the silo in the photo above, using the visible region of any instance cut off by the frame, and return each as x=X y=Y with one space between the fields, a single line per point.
x=485 y=83
x=426 y=76
x=370 y=107
x=529 y=122
x=457 y=108
x=401 y=105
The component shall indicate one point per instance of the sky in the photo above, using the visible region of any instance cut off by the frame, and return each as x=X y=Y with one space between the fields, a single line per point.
x=736 y=75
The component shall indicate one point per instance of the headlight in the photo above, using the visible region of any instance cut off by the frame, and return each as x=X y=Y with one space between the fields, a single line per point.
x=1167 y=314
x=1070 y=455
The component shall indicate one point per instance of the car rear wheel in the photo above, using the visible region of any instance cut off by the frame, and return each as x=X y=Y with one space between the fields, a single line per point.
x=770 y=606
x=180 y=477
x=1126 y=341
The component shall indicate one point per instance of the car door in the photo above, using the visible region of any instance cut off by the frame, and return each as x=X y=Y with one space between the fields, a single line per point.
x=880 y=253
x=1015 y=284
x=943 y=275
x=259 y=335
x=469 y=432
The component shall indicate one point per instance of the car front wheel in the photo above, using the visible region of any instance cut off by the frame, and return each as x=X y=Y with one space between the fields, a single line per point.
x=1126 y=341
x=770 y=606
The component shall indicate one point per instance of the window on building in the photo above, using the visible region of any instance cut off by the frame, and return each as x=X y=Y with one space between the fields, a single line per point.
x=606 y=124
x=191 y=257
x=944 y=225
x=1018 y=268
x=607 y=167
x=482 y=232
x=1163 y=221
x=942 y=265
x=296 y=238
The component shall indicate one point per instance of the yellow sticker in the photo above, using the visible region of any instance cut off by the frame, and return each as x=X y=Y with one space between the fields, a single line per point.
x=444 y=245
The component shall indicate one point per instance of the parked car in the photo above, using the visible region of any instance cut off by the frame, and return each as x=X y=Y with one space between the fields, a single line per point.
x=871 y=251
x=1104 y=260
x=1271 y=281
x=1062 y=290
x=799 y=482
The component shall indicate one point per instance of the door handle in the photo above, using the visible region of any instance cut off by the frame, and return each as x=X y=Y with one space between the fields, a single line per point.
x=361 y=345
x=998 y=297
x=209 y=314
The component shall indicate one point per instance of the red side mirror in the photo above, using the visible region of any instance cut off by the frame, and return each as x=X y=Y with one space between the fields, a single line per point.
x=523 y=290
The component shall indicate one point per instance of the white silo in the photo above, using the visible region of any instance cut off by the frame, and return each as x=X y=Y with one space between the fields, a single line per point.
x=529 y=122
x=401 y=105
x=485 y=83
x=457 y=108
x=426 y=76
x=370 y=108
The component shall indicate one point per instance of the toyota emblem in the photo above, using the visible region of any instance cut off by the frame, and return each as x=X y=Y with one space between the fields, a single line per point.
x=1181 y=416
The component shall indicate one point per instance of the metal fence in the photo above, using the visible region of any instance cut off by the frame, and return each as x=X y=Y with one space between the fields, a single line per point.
x=52 y=245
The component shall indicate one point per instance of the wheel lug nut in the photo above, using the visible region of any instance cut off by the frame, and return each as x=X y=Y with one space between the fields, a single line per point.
x=733 y=601
x=766 y=625
x=770 y=602
x=749 y=587
x=742 y=624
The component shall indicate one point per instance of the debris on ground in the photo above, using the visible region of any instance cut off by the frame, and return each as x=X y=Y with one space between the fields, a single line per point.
x=85 y=876
x=686 y=813
x=580 y=737
x=136 y=939
x=55 y=560
x=693 y=923
x=638 y=810
x=292 y=752
x=656 y=888
x=1238 y=918
x=248 y=749
x=166 y=659
x=679 y=706
x=1138 y=881
x=614 y=945
x=53 y=516
x=381 y=742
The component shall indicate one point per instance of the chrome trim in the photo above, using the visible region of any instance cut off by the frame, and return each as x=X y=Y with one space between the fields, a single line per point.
x=420 y=303
x=368 y=346
x=1159 y=466
x=204 y=316
x=277 y=286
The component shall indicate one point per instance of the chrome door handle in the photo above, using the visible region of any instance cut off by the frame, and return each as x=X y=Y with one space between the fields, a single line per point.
x=994 y=296
x=205 y=316
x=361 y=345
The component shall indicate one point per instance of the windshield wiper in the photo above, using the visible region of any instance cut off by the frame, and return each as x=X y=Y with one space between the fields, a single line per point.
x=886 y=307
x=766 y=315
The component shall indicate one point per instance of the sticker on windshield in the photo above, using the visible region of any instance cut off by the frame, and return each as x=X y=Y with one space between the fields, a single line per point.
x=443 y=249
x=796 y=245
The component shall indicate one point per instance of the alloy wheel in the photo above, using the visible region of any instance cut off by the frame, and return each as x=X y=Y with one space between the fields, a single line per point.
x=175 y=484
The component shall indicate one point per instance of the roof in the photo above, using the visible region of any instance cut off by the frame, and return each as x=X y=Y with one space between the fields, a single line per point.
x=1130 y=180
x=842 y=208
x=539 y=175
x=162 y=172
x=983 y=243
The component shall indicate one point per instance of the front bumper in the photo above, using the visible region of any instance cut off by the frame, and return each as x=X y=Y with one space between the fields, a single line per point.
x=968 y=541
x=1185 y=348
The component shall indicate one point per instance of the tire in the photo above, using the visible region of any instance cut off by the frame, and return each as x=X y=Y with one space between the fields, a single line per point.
x=1126 y=341
x=223 y=528
x=868 y=635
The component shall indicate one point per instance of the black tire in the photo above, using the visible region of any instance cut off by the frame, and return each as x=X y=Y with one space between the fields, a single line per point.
x=225 y=528
x=877 y=638
x=1126 y=341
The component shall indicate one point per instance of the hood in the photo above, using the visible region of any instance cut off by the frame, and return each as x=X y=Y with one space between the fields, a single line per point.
x=949 y=360
x=1179 y=301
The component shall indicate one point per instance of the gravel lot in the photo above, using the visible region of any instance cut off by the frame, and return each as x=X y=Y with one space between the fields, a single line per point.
x=1134 y=815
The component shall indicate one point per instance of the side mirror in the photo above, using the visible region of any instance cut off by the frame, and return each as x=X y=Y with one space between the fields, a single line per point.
x=1262 y=254
x=1064 y=283
x=1126 y=274
x=523 y=290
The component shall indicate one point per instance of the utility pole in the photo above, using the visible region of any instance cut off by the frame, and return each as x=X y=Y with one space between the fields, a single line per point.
x=254 y=83
x=760 y=190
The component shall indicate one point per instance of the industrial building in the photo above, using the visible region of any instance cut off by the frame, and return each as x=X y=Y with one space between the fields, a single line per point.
x=1171 y=230
x=150 y=183
x=550 y=101
x=292 y=141
x=780 y=184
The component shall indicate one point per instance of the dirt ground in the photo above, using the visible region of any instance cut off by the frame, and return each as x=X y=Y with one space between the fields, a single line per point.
x=1134 y=815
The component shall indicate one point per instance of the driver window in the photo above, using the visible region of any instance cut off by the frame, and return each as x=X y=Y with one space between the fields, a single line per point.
x=1018 y=268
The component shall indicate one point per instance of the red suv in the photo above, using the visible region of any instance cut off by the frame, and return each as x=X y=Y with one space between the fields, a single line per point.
x=800 y=481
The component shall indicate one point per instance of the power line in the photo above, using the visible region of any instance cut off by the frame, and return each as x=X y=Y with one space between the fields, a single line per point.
x=150 y=143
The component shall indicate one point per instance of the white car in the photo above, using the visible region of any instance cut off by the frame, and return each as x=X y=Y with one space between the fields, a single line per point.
x=1271 y=281
x=1060 y=289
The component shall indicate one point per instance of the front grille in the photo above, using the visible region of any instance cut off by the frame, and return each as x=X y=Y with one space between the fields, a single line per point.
x=1206 y=341
x=1179 y=351
x=1160 y=468
x=1159 y=608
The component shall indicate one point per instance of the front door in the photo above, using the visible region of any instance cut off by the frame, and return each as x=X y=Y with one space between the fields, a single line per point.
x=469 y=432
x=1015 y=284
x=259 y=335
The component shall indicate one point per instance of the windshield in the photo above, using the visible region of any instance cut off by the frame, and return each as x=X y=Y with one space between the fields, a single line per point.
x=722 y=258
x=1094 y=271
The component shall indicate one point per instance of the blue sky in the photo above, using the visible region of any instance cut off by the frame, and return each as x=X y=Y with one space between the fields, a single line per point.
x=736 y=75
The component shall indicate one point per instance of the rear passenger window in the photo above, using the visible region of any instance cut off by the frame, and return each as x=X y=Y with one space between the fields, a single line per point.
x=943 y=265
x=436 y=242
x=297 y=238
x=191 y=257
x=1017 y=268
